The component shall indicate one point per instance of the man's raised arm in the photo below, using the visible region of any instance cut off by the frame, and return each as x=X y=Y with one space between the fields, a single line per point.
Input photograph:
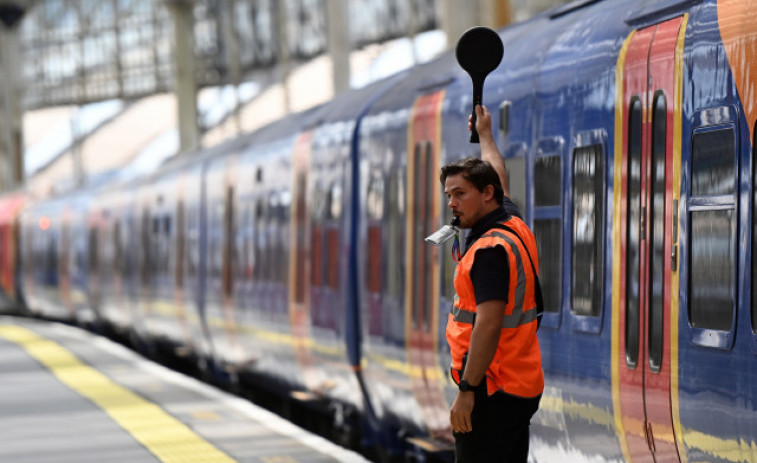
x=489 y=150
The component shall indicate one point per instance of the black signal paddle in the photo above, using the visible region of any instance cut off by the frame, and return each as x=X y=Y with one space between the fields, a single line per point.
x=479 y=52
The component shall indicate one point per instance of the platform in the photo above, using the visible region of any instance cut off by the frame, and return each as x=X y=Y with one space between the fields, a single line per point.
x=67 y=395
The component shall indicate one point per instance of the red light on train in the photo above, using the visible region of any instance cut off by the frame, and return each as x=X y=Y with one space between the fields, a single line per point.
x=44 y=223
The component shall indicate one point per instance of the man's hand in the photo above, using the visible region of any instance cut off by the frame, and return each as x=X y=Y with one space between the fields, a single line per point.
x=460 y=413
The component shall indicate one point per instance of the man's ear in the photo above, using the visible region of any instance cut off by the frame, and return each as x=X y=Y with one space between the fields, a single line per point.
x=488 y=192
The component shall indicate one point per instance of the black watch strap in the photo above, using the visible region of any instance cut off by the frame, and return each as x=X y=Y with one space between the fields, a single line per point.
x=464 y=386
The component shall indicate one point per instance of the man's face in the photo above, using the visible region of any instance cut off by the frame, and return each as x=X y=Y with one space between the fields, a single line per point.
x=465 y=201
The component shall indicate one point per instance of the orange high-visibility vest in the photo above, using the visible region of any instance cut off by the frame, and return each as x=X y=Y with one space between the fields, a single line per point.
x=516 y=367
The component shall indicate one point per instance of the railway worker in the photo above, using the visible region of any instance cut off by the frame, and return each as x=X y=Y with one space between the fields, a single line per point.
x=491 y=329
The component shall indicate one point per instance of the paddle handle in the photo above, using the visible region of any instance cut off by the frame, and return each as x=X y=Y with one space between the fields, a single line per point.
x=478 y=91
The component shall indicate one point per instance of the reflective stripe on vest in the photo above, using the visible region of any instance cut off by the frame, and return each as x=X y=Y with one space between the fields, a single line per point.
x=517 y=318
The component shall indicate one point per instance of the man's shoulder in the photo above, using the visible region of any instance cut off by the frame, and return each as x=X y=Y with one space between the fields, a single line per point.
x=509 y=206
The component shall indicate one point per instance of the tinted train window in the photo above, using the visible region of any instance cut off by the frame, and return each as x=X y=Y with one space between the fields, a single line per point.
x=393 y=269
x=548 y=233
x=547 y=181
x=713 y=230
x=713 y=256
x=548 y=227
x=633 y=233
x=657 y=227
x=588 y=217
x=713 y=164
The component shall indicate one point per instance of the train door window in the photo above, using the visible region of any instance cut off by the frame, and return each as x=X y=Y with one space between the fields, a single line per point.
x=394 y=277
x=145 y=269
x=588 y=217
x=229 y=245
x=283 y=218
x=713 y=215
x=317 y=210
x=334 y=216
x=431 y=190
x=375 y=213
x=657 y=228
x=193 y=240
x=417 y=235
x=548 y=227
x=116 y=244
x=633 y=232
x=180 y=246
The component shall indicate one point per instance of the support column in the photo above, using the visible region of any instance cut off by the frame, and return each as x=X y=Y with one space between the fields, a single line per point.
x=339 y=44
x=12 y=163
x=231 y=55
x=185 y=73
x=456 y=19
x=282 y=20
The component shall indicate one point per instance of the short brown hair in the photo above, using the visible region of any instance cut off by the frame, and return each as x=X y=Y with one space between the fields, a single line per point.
x=479 y=172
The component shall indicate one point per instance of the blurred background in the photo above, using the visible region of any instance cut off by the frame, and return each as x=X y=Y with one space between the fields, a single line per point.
x=91 y=88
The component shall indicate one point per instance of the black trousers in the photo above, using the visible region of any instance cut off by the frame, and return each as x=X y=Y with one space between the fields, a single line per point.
x=500 y=429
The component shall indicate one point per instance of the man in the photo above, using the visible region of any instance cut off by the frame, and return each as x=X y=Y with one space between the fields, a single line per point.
x=491 y=329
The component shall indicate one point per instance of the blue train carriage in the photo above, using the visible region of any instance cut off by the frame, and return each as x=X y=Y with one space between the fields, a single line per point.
x=164 y=274
x=55 y=256
x=323 y=299
x=251 y=226
x=117 y=248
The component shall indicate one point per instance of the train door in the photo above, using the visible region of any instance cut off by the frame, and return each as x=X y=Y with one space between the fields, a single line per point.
x=299 y=262
x=646 y=309
x=422 y=261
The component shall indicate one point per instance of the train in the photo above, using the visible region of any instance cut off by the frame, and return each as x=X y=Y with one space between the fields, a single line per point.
x=293 y=258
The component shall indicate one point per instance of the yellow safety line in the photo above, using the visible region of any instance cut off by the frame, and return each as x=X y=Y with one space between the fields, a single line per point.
x=167 y=438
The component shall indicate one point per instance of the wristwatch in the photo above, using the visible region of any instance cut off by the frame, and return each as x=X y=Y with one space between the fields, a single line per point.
x=464 y=386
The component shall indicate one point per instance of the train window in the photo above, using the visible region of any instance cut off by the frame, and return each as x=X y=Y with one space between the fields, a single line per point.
x=548 y=233
x=332 y=235
x=713 y=261
x=117 y=252
x=417 y=235
x=180 y=246
x=230 y=250
x=588 y=217
x=633 y=233
x=712 y=275
x=547 y=181
x=317 y=263
x=335 y=201
x=548 y=227
x=657 y=227
x=713 y=163
x=375 y=212
x=395 y=206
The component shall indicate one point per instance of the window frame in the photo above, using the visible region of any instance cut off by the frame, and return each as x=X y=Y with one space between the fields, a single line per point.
x=706 y=121
x=587 y=323
x=552 y=147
